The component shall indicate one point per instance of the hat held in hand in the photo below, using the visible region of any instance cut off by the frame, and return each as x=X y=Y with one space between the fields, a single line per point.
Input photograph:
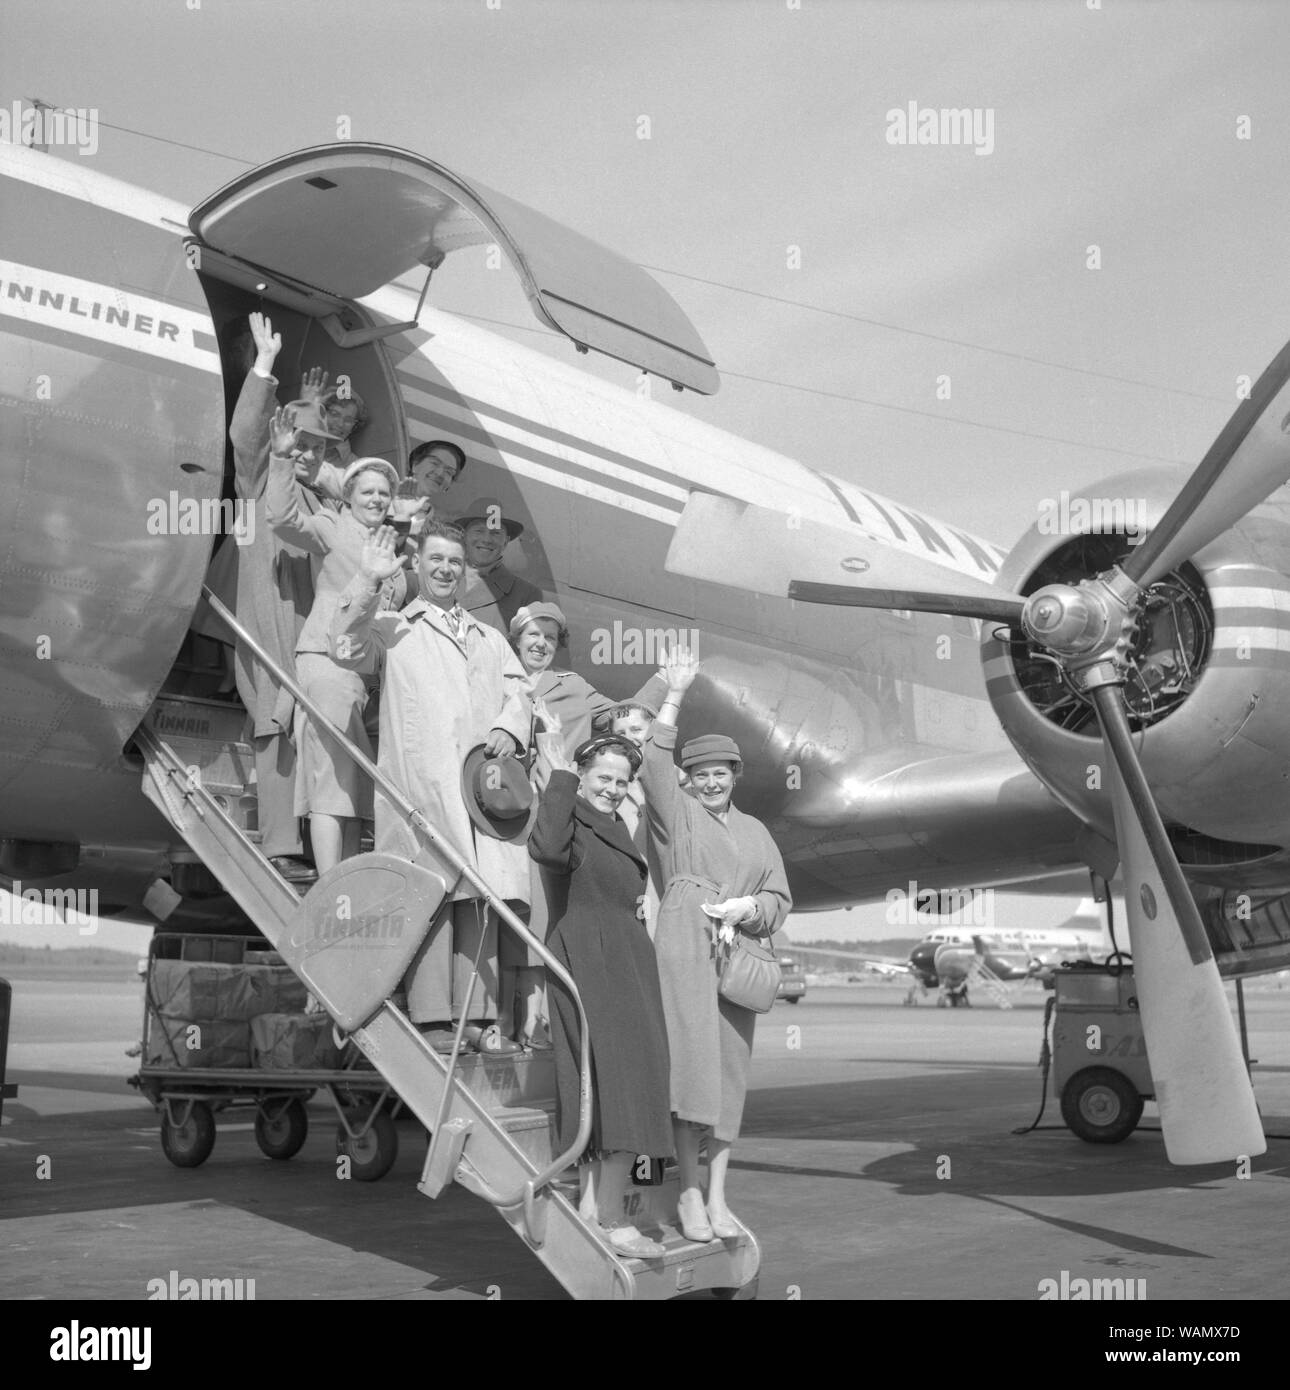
x=499 y=797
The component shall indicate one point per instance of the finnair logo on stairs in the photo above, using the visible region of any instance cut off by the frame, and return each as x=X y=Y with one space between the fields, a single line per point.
x=383 y=922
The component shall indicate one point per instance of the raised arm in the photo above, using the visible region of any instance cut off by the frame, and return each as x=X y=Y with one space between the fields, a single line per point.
x=652 y=693
x=248 y=430
x=551 y=841
x=288 y=518
x=358 y=629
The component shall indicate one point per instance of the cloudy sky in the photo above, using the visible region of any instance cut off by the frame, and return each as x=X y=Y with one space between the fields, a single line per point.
x=768 y=184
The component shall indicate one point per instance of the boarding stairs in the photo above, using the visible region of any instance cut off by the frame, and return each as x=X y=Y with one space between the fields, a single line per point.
x=980 y=974
x=351 y=939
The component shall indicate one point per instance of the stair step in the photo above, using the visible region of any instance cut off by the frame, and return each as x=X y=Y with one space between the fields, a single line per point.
x=531 y=1129
x=501 y=1120
x=526 y=1079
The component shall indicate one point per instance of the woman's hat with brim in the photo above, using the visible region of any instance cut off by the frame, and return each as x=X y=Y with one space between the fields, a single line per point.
x=499 y=797
x=307 y=415
x=489 y=511
x=711 y=748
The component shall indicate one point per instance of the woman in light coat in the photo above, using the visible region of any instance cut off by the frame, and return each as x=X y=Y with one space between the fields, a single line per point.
x=724 y=874
x=330 y=788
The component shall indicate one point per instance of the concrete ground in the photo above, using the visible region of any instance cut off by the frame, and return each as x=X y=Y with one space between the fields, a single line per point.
x=877 y=1162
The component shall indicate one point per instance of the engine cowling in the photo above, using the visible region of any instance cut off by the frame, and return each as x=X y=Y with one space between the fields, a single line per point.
x=1208 y=696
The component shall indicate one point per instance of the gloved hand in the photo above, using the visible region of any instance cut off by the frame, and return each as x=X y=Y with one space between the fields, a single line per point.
x=731 y=913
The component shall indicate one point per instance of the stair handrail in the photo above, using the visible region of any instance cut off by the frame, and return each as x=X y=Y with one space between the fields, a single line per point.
x=524 y=1195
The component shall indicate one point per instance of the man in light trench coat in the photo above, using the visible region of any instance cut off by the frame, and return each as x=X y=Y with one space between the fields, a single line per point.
x=450 y=684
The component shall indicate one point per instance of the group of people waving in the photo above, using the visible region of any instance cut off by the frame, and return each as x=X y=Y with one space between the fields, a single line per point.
x=566 y=803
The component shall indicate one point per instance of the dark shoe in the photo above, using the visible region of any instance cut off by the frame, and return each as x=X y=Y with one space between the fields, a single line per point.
x=440 y=1038
x=537 y=1041
x=488 y=1039
x=294 y=870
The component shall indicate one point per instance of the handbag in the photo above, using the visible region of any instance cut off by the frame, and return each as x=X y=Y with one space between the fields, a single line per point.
x=750 y=974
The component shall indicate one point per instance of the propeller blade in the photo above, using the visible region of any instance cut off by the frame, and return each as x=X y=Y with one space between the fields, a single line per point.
x=1249 y=460
x=726 y=541
x=998 y=609
x=1207 y=1108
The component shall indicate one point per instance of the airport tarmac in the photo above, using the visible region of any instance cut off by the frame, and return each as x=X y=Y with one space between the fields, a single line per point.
x=877 y=1161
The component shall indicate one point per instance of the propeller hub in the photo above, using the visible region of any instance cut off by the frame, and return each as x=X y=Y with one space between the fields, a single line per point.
x=1069 y=621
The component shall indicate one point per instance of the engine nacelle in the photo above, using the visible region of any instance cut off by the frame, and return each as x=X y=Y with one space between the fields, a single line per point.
x=1208 y=697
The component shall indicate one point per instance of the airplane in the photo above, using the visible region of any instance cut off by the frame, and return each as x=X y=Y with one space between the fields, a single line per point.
x=944 y=729
x=951 y=949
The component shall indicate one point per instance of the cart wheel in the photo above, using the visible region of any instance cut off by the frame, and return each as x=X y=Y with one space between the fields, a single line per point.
x=189 y=1144
x=373 y=1155
x=740 y=1295
x=282 y=1134
x=1101 y=1105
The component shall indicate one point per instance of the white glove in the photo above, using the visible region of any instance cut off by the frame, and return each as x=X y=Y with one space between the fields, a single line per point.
x=732 y=911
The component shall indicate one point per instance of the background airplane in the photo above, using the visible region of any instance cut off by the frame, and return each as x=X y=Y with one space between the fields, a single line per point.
x=869 y=740
x=949 y=950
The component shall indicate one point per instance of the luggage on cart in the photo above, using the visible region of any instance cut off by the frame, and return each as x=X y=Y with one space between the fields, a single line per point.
x=226 y=1025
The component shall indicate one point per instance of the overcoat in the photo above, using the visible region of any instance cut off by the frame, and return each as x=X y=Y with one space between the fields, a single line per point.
x=703 y=860
x=495 y=598
x=335 y=537
x=440 y=696
x=598 y=875
x=268 y=583
x=326 y=780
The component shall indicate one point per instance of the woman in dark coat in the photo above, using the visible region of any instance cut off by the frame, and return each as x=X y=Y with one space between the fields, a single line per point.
x=598 y=879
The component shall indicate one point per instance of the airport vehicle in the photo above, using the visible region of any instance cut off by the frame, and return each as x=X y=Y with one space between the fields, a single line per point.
x=190 y=1098
x=1100 y=1070
x=792 y=980
x=116 y=307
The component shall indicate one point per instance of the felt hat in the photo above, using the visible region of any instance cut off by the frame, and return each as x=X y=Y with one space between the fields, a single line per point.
x=307 y=415
x=375 y=465
x=499 y=797
x=711 y=748
x=539 y=610
x=616 y=743
x=489 y=511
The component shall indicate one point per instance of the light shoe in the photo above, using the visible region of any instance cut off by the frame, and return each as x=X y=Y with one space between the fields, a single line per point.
x=724 y=1227
x=491 y=1041
x=627 y=1240
x=694 y=1221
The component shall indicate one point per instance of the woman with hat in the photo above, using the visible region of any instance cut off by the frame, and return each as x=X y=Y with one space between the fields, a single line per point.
x=330 y=788
x=269 y=583
x=563 y=700
x=598 y=937
x=724 y=874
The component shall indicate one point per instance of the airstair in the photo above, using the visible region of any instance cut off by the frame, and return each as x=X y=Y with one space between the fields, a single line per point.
x=351 y=940
x=979 y=973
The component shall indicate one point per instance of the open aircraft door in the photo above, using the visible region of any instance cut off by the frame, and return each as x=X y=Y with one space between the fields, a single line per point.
x=334 y=223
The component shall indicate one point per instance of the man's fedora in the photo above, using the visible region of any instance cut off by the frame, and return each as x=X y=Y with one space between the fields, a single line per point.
x=499 y=796
x=489 y=511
